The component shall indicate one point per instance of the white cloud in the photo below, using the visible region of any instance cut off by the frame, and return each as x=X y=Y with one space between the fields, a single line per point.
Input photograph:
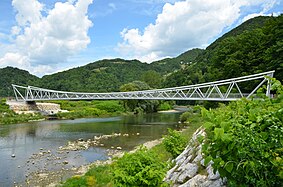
x=266 y=6
x=14 y=59
x=44 y=41
x=23 y=62
x=15 y=30
x=28 y=11
x=183 y=25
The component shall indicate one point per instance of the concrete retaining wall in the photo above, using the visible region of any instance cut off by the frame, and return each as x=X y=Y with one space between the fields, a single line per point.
x=44 y=108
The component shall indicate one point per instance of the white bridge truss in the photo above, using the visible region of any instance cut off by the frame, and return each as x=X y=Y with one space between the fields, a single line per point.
x=224 y=90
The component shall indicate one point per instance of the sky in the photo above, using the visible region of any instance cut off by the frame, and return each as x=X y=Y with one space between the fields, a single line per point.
x=48 y=36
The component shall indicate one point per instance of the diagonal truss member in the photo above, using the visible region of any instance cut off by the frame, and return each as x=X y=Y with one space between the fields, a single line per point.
x=223 y=90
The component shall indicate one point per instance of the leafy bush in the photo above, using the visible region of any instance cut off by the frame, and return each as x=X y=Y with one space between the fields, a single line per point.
x=174 y=143
x=164 y=106
x=110 y=106
x=245 y=141
x=3 y=106
x=141 y=168
x=185 y=116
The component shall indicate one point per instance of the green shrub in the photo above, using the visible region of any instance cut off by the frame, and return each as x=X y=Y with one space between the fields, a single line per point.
x=185 y=116
x=174 y=143
x=3 y=106
x=245 y=141
x=141 y=168
x=110 y=106
x=164 y=106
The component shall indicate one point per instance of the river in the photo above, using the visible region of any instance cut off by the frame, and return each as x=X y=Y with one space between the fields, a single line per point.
x=24 y=140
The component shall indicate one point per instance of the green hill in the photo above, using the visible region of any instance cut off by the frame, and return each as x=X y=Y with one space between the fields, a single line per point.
x=10 y=75
x=109 y=75
x=101 y=76
x=253 y=47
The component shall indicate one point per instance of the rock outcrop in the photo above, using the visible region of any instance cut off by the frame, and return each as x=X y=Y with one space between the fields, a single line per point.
x=190 y=171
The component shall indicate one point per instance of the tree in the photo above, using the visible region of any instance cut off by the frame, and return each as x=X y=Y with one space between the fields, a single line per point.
x=138 y=106
x=152 y=78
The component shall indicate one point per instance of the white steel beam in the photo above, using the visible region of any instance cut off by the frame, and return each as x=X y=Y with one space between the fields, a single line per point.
x=202 y=91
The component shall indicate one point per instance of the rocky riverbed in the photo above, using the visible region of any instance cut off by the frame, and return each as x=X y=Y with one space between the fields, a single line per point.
x=49 y=168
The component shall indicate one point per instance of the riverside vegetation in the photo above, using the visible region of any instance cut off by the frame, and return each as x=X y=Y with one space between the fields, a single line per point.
x=7 y=116
x=84 y=109
x=244 y=140
x=77 y=109
x=145 y=167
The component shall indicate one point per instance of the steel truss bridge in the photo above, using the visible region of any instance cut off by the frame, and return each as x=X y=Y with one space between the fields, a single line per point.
x=223 y=90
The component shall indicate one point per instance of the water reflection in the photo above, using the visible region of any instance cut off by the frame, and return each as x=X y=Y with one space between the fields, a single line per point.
x=25 y=139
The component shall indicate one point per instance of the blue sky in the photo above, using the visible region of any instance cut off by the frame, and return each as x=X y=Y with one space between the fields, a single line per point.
x=47 y=36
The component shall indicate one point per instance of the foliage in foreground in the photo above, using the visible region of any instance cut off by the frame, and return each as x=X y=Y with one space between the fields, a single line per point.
x=245 y=141
x=98 y=176
x=174 y=142
x=141 y=168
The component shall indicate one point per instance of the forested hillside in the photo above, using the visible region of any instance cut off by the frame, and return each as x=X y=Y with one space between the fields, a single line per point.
x=100 y=76
x=253 y=47
x=10 y=75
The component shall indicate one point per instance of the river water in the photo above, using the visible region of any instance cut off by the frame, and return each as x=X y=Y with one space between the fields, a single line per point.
x=23 y=140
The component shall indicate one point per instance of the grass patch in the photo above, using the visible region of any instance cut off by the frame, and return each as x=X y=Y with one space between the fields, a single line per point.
x=99 y=176
x=82 y=109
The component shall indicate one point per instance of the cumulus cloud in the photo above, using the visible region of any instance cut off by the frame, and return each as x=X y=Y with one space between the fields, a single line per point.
x=183 y=25
x=40 y=42
x=29 y=11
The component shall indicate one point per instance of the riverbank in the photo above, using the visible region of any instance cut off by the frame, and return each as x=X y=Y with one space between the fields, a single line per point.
x=155 y=147
x=26 y=140
x=12 y=112
x=53 y=178
x=7 y=116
